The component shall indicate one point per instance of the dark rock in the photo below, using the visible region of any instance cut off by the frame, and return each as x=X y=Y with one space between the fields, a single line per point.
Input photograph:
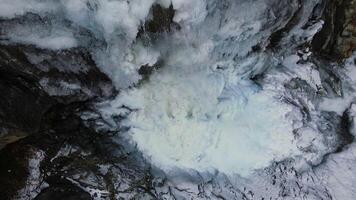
x=161 y=21
x=61 y=127
x=40 y=114
x=337 y=39
x=33 y=80
x=23 y=101
x=60 y=189
x=68 y=75
x=14 y=161
x=277 y=35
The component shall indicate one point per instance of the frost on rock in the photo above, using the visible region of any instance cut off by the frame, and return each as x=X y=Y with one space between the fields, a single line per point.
x=34 y=183
x=338 y=174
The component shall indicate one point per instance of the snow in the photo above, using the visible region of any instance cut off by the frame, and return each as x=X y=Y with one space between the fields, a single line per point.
x=306 y=72
x=338 y=105
x=96 y=194
x=50 y=42
x=352 y=114
x=34 y=183
x=341 y=104
x=338 y=174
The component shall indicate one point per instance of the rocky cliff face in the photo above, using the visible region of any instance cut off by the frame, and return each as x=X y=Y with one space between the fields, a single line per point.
x=337 y=38
x=42 y=92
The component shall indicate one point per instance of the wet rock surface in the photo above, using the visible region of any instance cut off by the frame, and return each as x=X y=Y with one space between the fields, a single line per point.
x=62 y=189
x=42 y=117
x=21 y=94
x=161 y=20
x=337 y=38
x=34 y=80
x=14 y=168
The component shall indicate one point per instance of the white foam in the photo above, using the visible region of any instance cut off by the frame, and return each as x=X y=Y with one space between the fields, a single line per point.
x=193 y=116
x=189 y=11
x=200 y=113
x=112 y=15
x=189 y=121
x=13 y=8
x=51 y=42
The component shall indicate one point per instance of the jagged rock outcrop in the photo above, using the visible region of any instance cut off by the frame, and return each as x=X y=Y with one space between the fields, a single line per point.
x=337 y=39
x=42 y=92
x=33 y=80
x=161 y=20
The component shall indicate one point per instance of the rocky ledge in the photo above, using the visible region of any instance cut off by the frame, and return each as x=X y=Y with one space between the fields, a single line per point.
x=42 y=94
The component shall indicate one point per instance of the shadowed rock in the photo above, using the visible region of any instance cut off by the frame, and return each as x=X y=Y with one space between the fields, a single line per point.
x=337 y=39
x=41 y=116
